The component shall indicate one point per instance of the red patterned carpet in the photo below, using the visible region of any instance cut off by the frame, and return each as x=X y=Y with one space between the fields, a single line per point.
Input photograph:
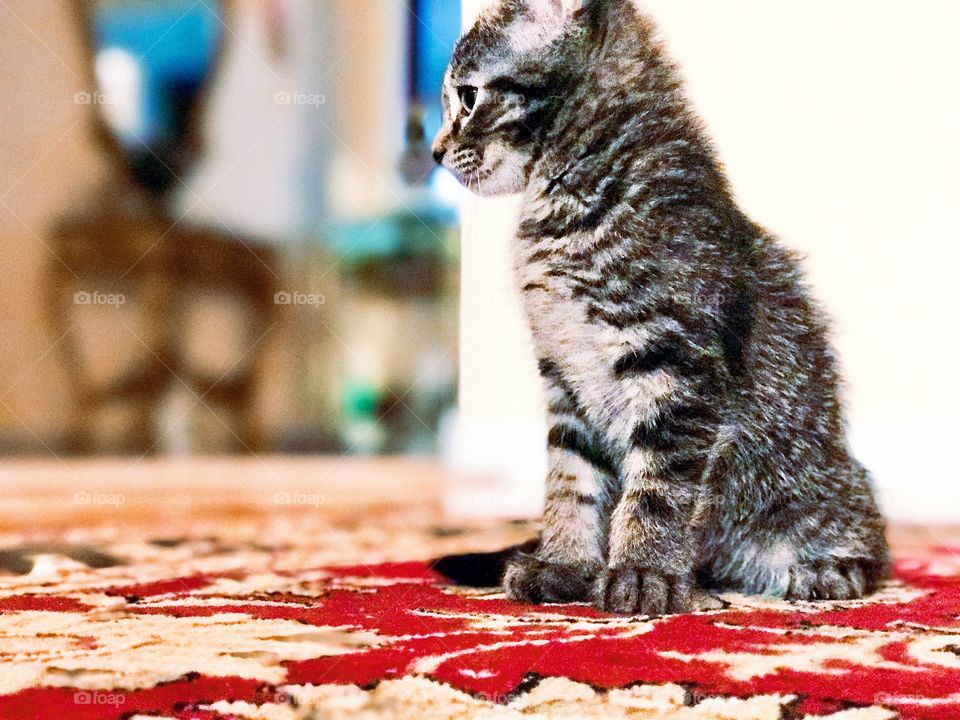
x=293 y=619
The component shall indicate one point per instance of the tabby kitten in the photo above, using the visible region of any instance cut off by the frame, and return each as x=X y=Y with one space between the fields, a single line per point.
x=696 y=434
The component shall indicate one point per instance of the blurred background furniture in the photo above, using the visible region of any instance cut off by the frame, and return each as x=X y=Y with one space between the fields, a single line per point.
x=125 y=250
x=123 y=244
x=264 y=259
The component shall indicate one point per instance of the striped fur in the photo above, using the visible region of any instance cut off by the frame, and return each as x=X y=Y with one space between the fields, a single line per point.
x=697 y=434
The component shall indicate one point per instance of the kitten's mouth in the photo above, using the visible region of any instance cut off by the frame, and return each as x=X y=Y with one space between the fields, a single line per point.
x=474 y=180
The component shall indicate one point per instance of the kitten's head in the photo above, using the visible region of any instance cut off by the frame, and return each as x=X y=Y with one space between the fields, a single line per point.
x=506 y=80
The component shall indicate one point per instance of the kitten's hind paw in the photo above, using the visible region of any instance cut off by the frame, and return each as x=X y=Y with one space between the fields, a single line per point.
x=531 y=580
x=630 y=590
x=833 y=580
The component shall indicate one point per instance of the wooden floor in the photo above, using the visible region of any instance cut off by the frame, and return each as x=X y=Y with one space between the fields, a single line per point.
x=53 y=494
x=53 y=497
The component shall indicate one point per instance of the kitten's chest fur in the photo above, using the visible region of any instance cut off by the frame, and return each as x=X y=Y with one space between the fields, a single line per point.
x=551 y=275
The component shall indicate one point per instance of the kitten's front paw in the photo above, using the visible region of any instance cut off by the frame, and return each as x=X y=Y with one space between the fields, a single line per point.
x=632 y=590
x=834 y=580
x=531 y=580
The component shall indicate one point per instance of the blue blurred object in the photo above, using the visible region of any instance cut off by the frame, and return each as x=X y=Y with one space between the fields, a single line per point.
x=436 y=27
x=160 y=54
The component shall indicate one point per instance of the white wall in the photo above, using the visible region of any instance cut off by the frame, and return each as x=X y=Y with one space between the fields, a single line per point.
x=500 y=428
x=838 y=125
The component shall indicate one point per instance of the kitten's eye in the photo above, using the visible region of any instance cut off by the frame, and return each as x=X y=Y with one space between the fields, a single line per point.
x=468 y=97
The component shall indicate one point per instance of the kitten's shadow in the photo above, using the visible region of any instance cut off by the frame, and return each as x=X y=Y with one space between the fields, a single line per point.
x=479 y=570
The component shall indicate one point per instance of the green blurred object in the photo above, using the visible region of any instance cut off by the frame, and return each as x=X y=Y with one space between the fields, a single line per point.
x=398 y=323
x=362 y=431
x=416 y=232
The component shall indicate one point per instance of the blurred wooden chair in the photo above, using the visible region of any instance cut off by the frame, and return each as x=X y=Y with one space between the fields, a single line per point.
x=123 y=244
